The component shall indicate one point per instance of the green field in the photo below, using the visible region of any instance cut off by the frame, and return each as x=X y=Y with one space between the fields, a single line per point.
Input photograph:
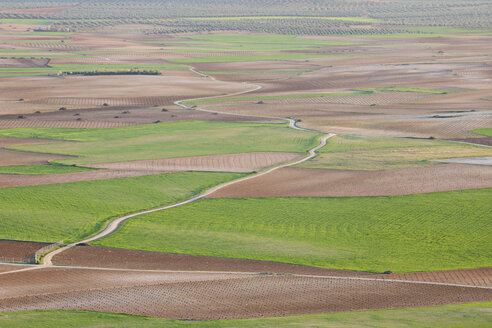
x=439 y=231
x=406 y=89
x=14 y=21
x=42 y=169
x=470 y=315
x=361 y=153
x=308 y=95
x=486 y=132
x=235 y=18
x=72 y=211
x=165 y=140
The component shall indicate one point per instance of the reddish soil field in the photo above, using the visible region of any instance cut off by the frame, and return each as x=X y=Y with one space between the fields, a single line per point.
x=15 y=157
x=243 y=162
x=101 y=117
x=215 y=295
x=20 y=180
x=300 y=182
x=12 y=248
x=475 y=277
x=487 y=141
x=132 y=259
x=23 y=62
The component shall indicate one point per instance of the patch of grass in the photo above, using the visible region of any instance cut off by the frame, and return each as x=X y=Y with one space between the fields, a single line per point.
x=405 y=89
x=72 y=211
x=13 y=21
x=43 y=169
x=438 y=231
x=471 y=315
x=247 y=58
x=165 y=140
x=486 y=132
x=360 y=153
x=308 y=95
x=54 y=69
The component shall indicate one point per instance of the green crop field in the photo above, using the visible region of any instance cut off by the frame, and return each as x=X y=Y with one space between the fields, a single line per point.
x=165 y=140
x=309 y=95
x=235 y=18
x=72 y=211
x=42 y=169
x=486 y=132
x=406 y=89
x=470 y=315
x=358 y=153
x=439 y=231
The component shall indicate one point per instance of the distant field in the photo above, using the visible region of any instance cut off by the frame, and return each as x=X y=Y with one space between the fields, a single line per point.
x=438 y=231
x=358 y=153
x=233 y=18
x=231 y=59
x=25 y=21
x=71 y=211
x=165 y=140
x=405 y=89
x=485 y=132
x=472 y=315
x=315 y=95
x=42 y=169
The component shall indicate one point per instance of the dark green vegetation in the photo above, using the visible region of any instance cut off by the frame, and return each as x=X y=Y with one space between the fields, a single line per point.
x=42 y=169
x=361 y=153
x=165 y=140
x=72 y=211
x=485 y=132
x=471 y=315
x=448 y=230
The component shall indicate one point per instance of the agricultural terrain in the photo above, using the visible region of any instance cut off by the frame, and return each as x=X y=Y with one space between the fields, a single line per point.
x=216 y=163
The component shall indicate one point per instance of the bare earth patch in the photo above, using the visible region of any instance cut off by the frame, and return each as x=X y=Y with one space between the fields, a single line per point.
x=20 y=180
x=145 y=260
x=298 y=182
x=13 y=248
x=243 y=162
x=17 y=157
x=215 y=295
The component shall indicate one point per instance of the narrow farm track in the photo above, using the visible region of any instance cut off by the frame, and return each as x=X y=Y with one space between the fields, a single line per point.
x=115 y=224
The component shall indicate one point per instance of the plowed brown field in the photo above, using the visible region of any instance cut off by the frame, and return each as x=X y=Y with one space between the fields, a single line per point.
x=243 y=162
x=132 y=259
x=215 y=295
x=20 y=180
x=12 y=248
x=297 y=182
x=15 y=157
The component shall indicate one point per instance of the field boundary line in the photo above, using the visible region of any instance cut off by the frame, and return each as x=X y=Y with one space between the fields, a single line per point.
x=113 y=225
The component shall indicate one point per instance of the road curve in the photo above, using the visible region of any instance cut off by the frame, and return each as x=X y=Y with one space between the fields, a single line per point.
x=116 y=223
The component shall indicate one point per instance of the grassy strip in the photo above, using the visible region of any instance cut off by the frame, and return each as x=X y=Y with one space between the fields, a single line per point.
x=230 y=59
x=43 y=169
x=309 y=95
x=72 y=211
x=406 y=89
x=53 y=69
x=13 y=21
x=486 y=132
x=471 y=315
x=438 y=231
x=165 y=140
x=360 y=153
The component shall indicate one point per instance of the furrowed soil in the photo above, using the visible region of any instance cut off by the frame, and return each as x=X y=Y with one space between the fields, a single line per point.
x=145 y=260
x=243 y=162
x=13 y=248
x=299 y=182
x=17 y=157
x=215 y=295
x=21 y=180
